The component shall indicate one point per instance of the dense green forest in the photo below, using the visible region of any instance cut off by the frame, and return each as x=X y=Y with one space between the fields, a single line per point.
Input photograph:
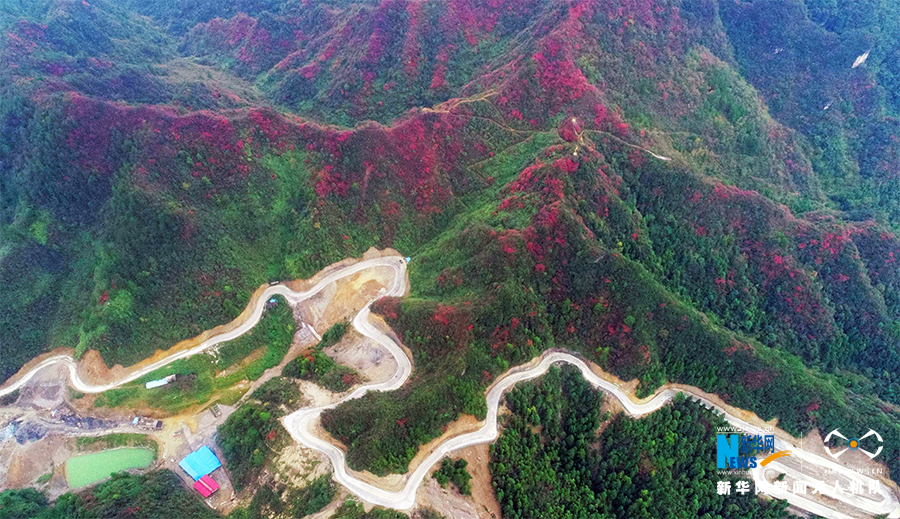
x=157 y=495
x=319 y=367
x=247 y=439
x=696 y=191
x=454 y=472
x=550 y=460
x=352 y=510
x=300 y=503
x=276 y=500
x=278 y=391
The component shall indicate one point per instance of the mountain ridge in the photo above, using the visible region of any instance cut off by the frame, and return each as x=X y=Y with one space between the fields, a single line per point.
x=515 y=157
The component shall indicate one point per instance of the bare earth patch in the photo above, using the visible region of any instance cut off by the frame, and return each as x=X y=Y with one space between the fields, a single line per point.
x=447 y=501
x=369 y=359
x=297 y=466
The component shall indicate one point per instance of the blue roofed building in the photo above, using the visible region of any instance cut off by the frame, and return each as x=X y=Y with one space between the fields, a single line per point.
x=200 y=463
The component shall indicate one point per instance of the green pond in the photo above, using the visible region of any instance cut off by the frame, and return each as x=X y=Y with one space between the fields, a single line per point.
x=90 y=468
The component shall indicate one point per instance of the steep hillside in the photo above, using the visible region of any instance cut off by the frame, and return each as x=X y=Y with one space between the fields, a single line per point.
x=647 y=181
x=803 y=58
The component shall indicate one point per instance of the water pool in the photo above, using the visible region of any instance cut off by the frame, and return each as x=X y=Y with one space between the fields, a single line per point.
x=85 y=469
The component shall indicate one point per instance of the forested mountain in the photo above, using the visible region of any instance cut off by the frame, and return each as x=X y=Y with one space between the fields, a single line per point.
x=154 y=496
x=550 y=461
x=682 y=190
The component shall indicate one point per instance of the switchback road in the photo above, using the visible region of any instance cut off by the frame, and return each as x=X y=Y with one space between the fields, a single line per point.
x=882 y=501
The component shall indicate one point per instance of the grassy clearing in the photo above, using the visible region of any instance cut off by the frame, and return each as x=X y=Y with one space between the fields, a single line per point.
x=202 y=378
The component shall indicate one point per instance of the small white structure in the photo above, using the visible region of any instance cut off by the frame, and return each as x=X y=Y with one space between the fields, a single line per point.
x=149 y=424
x=862 y=59
x=159 y=383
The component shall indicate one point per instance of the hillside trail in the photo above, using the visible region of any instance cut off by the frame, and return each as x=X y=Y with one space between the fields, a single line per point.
x=301 y=424
x=449 y=107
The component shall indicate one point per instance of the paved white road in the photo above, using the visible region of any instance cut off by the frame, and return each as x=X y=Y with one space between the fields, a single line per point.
x=882 y=502
x=298 y=424
x=396 y=263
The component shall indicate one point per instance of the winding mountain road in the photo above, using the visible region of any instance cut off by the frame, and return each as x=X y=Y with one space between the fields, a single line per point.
x=882 y=501
x=396 y=263
x=298 y=424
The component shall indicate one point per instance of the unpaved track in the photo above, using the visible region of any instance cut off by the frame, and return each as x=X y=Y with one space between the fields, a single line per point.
x=298 y=423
